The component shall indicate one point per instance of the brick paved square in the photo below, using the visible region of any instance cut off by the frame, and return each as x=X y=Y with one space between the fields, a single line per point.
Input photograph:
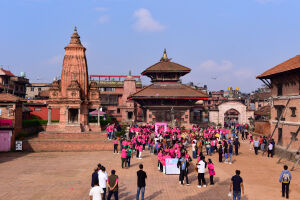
x=66 y=175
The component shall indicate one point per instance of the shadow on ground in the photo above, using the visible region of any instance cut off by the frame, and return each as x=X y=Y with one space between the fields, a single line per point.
x=9 y=156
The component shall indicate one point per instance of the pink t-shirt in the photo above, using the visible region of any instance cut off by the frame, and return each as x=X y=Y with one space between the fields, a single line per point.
x=123 y=153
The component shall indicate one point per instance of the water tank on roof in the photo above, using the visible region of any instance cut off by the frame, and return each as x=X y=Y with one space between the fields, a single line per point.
x=22 y=74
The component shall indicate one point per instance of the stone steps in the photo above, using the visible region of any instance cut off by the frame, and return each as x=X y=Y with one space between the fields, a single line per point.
x=68 y=142
x=50 y=135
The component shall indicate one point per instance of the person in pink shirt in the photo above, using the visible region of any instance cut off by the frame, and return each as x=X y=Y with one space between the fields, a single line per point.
x=211 y=171
x=123 y=157
x=140 y=151
x=159 y=160
x=116 y=146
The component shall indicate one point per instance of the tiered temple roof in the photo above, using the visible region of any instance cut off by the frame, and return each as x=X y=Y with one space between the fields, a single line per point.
x=165 y=77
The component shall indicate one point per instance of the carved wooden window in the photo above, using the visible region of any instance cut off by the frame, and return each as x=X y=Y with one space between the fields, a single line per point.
x=279 y=141
x=293 y=109
x=279 y=89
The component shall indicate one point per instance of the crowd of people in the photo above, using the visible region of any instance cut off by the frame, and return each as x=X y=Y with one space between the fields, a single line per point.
x=166 y=142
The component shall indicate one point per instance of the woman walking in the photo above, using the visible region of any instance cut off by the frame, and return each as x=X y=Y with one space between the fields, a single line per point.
x=211 y=170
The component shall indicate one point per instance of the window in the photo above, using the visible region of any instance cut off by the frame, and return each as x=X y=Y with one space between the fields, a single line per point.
x=279 y=109
x=279 y=89
x=118 y=110
x=129 y=115
x=279 y=136
x=39 y=89
x=32 y=89
x=109 y=89
x=293 y=109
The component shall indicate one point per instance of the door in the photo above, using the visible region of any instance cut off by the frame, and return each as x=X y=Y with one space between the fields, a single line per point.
x=5 y=140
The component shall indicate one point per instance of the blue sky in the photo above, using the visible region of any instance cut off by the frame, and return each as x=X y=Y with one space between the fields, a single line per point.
x=230 y=40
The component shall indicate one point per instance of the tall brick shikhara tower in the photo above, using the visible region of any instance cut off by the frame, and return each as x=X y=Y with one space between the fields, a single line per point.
x=73 y=95
x=74 y=66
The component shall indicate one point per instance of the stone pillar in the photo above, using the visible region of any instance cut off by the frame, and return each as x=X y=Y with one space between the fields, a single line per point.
x=67 y=115
x=98 y=121
x=78 y=115
x=49 y=115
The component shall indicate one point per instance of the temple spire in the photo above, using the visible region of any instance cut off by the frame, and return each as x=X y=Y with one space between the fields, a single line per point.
x=165 y=57
x=75 y=39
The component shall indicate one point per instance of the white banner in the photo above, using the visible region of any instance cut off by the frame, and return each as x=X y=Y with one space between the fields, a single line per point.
x=171 y=166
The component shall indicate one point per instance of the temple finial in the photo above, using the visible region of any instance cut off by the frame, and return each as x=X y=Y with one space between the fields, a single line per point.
x=75 y=29
x=129 y=72
x=165 y=57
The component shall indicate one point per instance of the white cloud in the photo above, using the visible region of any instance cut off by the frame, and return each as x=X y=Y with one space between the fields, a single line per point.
x=103 y=19
x=55 y=60
x=101 y=9
x=145 y=22
x=222 y=74
x=211 y=65
x=243 y=73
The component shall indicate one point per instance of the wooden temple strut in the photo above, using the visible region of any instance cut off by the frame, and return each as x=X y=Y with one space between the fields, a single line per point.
x=293 y=138
x=276 y=126
x=297 y=162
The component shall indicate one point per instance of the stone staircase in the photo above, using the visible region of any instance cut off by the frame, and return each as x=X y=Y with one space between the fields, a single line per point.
x=50 y=141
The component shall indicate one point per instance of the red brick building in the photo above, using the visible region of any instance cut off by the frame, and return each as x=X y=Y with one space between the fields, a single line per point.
x=284 y=81
x=11 y=108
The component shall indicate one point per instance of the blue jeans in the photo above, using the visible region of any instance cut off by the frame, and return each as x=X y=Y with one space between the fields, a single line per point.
x=194 y=154
x=142 y=189
x=230 y=156
x=208 y=151
x=236 y=195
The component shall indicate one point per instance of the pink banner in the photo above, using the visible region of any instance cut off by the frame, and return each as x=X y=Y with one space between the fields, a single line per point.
x=7 y=122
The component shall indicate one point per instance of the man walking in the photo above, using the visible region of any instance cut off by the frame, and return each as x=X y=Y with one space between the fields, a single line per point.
x=141 y=182
x=256 y=145
x=102 y=177
x=96 y=193
x=182 y=165
x=236 y=185
x=285 y=179
x=201 y=170
x=113 y=185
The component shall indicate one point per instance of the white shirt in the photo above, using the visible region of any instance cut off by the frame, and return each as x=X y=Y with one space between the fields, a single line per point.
x=270 y=146
x=193 y=147
x=96 y=192
x=201 y=166
x=102 y=177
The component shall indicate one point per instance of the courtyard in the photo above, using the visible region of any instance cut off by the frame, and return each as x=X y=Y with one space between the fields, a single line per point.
x=67 y=175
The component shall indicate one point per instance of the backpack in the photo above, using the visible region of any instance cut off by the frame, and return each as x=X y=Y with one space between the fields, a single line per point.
x=285 y=178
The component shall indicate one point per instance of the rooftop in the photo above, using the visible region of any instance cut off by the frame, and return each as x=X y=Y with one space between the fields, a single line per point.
x=165 y=65
x=289 y=65
x=169 y=90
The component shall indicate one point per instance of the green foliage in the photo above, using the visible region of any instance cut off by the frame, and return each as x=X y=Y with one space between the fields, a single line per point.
x=182 y=128
x=35 y=122
x=122 y=132
x=105 y=121
x=219 y=125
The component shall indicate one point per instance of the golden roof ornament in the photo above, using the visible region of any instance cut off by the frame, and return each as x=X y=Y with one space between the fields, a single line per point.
x=165 y=57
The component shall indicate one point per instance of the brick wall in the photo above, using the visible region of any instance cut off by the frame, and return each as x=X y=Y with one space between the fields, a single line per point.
x=262 y=128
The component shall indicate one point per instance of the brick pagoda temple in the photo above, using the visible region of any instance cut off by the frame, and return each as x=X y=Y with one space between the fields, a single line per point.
x=167 y=99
